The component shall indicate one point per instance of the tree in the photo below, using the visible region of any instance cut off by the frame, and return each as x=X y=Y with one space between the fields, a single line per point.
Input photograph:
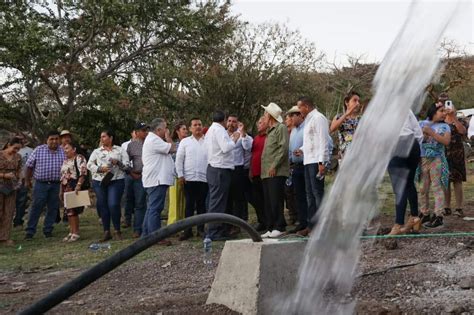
x=81 y=58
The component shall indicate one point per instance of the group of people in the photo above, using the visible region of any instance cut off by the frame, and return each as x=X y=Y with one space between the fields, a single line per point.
x=222 y=169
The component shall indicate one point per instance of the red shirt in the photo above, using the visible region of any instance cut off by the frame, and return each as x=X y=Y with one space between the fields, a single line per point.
x=257 y=150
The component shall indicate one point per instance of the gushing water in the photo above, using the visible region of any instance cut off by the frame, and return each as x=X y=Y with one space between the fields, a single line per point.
x=330 y=260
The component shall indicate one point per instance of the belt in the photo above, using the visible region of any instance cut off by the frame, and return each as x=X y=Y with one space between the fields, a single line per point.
x=296 y=164
x=49 y=182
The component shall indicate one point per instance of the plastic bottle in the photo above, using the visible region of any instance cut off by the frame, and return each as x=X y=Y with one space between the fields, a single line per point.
x=99 y=246
x=207 y=257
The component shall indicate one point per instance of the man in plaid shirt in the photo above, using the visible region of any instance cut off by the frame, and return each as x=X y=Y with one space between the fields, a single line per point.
x=44 y=165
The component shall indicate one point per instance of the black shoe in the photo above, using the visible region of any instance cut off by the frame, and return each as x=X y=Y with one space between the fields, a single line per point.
x=436 y=222
x=28 y=237
x=458 y=213
x=447 y=211
x=297 y=229
x=425 y=218
x=48 y=235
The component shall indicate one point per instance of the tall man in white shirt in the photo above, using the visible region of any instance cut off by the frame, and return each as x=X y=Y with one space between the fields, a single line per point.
x=237 y=203
x=191 y=166
x=315 y=157
x=220 y=157
x=158 y=172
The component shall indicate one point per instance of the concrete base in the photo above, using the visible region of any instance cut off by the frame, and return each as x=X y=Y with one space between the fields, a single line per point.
x=252 y=277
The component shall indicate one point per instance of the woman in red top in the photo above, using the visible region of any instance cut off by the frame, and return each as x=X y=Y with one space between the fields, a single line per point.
x=255 y=170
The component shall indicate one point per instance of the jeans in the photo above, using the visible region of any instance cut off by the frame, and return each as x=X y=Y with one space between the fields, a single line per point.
x=402 y=171
x=274 y=194
x=314 y=191
x=21 y=200
x=156 y=203
x=129 y=202
x=108 y=202
x=195 y=194
x=44 y=194
x=139 y=204
x=301 y=202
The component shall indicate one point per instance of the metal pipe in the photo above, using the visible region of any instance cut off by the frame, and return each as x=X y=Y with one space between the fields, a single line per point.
x=102 y=268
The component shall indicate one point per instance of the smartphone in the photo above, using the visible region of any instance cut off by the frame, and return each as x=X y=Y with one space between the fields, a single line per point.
x=448 y=104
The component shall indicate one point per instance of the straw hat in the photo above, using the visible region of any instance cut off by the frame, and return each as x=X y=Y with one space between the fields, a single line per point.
x=292 y=110
x=64 y=133
x=274 y=110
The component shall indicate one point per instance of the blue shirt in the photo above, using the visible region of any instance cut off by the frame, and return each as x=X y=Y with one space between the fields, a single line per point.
x=430 y=147
x=296 y=142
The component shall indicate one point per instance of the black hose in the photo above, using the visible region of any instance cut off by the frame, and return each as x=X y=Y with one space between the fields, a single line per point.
x=94 y=273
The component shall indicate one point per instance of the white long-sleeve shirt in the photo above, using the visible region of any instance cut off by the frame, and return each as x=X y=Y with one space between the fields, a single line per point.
x=219 y=147
x=242 y=147
x=101 y=157
x=191 y=159
x=158 y=165
x=315 y=138
x=412 y=127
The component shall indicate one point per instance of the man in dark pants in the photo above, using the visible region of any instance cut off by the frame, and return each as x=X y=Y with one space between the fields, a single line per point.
x=316 y=155
x=237 y=202
x=44 y=165
x=255 y=172
x=297 y=168
x=220 y=156
x=275 y=170
x=191 y=166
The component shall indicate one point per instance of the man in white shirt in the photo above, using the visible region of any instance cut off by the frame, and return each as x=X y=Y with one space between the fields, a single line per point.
x=128 y=199
x=237 y=203
x=315 y=157
x=158 y=172
x=220 y=155
x=470 y=130
x=191 y=166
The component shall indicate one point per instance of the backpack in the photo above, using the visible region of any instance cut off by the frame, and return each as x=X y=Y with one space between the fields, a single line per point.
x=87 y=182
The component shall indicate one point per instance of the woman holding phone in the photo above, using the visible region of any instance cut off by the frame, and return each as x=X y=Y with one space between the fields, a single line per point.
x=456 y=158
x=434 y=167
x=107 y=164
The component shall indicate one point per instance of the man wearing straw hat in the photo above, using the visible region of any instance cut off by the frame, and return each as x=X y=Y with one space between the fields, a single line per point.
x=275 y=170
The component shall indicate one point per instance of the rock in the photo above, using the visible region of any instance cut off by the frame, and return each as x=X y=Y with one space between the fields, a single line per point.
x=454 y=309
x=467 y=283
x=390 y=244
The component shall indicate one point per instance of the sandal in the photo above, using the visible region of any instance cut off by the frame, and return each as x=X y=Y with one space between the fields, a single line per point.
x=74 y=237
x=66 y=239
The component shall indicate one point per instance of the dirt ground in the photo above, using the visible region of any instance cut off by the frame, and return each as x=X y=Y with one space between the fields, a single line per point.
x=175 y=281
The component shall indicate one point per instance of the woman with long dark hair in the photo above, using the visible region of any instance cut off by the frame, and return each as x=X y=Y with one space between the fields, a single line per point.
x=434 y=166
x=10 y=168
x=107 y=164
x=176 y=192
x=347 y=122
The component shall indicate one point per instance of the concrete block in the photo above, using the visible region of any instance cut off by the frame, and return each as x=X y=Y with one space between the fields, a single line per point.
x=252 y=277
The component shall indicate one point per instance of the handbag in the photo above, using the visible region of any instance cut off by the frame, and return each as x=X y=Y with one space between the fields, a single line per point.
x=106 y=180
x=87 y=182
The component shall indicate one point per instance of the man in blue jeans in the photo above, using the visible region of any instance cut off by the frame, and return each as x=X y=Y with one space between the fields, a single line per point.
x=158 y=173
x=44 y=165
x=134 y=177
x=315 y=152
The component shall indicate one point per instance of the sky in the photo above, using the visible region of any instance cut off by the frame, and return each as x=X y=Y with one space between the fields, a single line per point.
x=350 y=27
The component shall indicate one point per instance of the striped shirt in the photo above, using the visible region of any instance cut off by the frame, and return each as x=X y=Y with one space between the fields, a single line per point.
x=46 y=163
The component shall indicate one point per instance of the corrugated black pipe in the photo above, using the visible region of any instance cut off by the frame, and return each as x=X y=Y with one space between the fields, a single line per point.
x=94 y=273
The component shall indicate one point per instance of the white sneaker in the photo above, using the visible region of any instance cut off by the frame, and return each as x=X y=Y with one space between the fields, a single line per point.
x=275 y=234
x=266 y=235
